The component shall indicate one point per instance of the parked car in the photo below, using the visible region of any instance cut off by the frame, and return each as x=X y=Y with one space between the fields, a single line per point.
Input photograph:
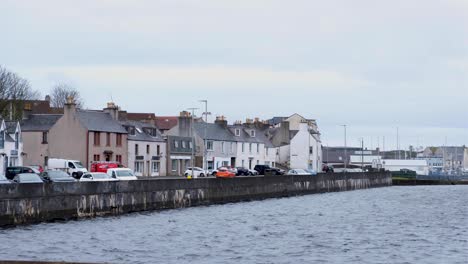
x=298 y=172
x=262 y=168
x=27 y=178
x=4 y=180
x=96 y=176
x=241 y=171
x=122 y=174
x=73 y=167
x=11 y=172
x=56 y=176
x=223 y=172
x=311 y=171
x=197 y=172
x=253 y=172
x=37 y=167
x=103 y=166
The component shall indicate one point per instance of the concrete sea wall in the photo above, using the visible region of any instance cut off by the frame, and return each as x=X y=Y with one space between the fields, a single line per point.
x=33 y=203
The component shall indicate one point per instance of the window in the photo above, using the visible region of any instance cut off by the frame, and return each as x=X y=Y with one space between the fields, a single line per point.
x=250 y=147
x=17 y=140
x=232 y=147
x=243 y=147
x=311 y=150
x=118 y=158
x=190 y=145
x=252 y=133
x=44 y=137
x=184 y=145
x=158 y=150
x=174 y=165
x=243 y=163
x=266 y=149
x=209 y=145
x=136 y=149
x=155 y=167
x=131 y=130
x=176 y=144
x=258 y=162
x=222 y=147
x=108 y=139
x=237 y=132
x=119 y=140
x=2 y=139
x=96 y=157
x=139 y=166
x=147 y=149
x=258 y=148
x=97 y=138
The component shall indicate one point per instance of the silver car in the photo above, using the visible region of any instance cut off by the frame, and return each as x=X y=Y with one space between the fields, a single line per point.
x=27 y=178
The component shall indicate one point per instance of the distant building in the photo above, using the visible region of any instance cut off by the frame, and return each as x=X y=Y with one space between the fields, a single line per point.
x=455 y=158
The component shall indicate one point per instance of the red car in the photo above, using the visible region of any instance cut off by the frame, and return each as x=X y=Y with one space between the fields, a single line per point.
x=225 y=173
x=103 y=166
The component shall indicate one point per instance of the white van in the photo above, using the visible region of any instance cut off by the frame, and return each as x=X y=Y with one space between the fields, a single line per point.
x=72 y=167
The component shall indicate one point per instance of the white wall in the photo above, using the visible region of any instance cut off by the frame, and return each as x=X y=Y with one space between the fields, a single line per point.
x=147 y=157
x=299 y=153
x=257 y=157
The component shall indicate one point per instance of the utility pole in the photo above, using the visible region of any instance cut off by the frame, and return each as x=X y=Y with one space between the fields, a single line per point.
x=205 y=153
x=398 y=143
x=192 y=158
x=345 y=148
x=362 y=154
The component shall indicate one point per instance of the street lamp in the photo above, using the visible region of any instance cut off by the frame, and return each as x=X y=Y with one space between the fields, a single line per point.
x=205 y=153
x=192 y=158
x=345 y=148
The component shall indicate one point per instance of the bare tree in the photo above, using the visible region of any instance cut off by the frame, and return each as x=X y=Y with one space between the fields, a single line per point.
x=60 y=94
x=14 y=90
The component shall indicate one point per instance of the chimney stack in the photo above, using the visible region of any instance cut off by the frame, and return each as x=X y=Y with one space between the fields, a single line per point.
x=70 y=107
x=185 y=124
x=113 y=110
x=221 y=120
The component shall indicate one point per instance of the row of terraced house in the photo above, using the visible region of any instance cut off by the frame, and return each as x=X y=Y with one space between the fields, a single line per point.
x=157 y=145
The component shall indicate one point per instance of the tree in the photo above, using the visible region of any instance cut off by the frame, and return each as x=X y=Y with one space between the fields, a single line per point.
x=14 y=90
x=60 y=94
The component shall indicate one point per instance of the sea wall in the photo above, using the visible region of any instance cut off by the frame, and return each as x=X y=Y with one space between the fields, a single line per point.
x=33 y=203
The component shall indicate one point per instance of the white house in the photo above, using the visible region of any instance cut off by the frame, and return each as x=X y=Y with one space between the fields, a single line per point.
x=146 y=149
x=11 y=145
x=305 y=149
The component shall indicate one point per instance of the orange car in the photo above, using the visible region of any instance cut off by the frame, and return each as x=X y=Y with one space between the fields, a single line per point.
x=224 y=173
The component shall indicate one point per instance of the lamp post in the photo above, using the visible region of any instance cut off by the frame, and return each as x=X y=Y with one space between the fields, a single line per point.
x=192 y=158
x=205 y=153
x=345 y=149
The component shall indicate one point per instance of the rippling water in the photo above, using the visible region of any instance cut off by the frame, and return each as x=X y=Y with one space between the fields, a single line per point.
x=385 y=225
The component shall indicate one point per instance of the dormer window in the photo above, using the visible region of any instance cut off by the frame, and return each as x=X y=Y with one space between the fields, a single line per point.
x=2 y=139
x=131 y=130
x=150 y=131
x=252 y=133
x=237 y=132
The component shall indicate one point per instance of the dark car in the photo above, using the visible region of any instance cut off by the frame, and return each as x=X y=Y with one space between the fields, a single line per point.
x=27 y=178
x=56 y=176
x=11 y=172
x=265 y=168
x=241 y=171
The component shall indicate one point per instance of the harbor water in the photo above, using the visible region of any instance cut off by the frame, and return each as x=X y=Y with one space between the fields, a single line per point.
x=422 y=224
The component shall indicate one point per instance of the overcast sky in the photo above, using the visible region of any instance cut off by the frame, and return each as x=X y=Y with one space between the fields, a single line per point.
x=372 y=65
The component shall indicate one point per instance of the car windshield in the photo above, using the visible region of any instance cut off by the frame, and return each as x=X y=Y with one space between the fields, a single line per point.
x=78 y=164
x=29 y=177
x=124 y=173
x=100 y=176
x=58 y=175
x=301 y=171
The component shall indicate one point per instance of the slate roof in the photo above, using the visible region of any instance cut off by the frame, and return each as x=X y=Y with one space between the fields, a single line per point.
x=99 y=121
x=260 y=136
x=213 y=132
x=8 y=138
x=39 y=122
x=166 y=122
x=276 y=120
x=140 y=134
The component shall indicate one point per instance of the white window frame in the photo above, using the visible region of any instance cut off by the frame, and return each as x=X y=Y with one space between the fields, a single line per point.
x=237 y=132
x=209 y=145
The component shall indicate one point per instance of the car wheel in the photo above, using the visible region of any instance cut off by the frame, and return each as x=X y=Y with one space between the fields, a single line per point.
x=75 y=175
x=186 y=174
x=249 y=173
x=202 y=175
x=214 y=174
